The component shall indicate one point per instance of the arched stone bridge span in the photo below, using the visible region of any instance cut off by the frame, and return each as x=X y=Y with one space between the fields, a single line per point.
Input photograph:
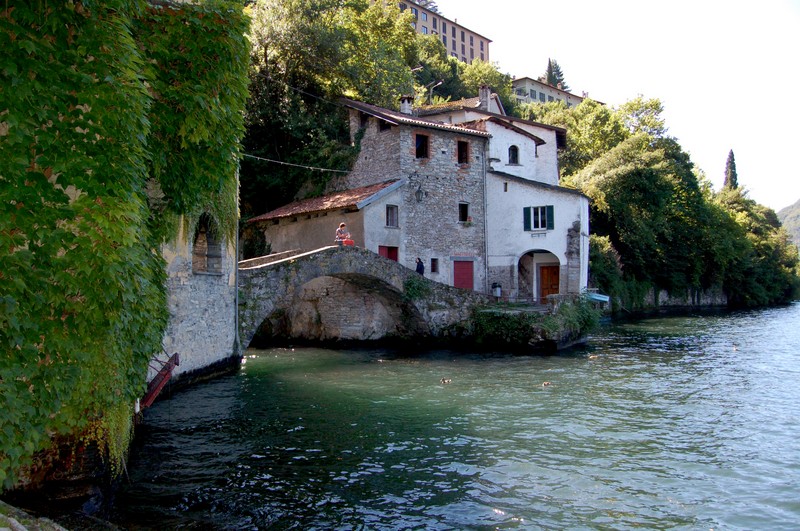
x=346 y=293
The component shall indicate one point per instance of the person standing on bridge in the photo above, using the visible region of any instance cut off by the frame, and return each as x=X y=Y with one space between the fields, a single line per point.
x=420 y=266
x=342 y=234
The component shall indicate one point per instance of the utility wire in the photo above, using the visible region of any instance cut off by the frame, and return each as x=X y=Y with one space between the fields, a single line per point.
x=295 y=165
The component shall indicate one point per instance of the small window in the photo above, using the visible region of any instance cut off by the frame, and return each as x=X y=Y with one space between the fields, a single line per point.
x=444 y=40
x=424 y=16
x=513 y=155
x=463 y=50
x=422 y=146
x=482 y=59
x=454 y=32
x=542 y=97
x=462 y=36
x=391 y=216
x=538 y=218
x=403 y=6
x=206 y=247
x=533 y=94
x=454 y=45
x=481 y=45
x=444 y=27
x=434 y=22
x=463 y=152
x=549 y=98
x=471 y=41
x=364 y=120
x=425 y=30
x=463 y=212
x=505 y=187
x=434 y=265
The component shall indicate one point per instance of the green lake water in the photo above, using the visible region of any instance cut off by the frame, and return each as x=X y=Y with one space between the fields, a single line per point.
x=667 y=423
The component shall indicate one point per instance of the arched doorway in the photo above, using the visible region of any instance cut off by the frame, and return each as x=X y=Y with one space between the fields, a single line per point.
x=539 y=275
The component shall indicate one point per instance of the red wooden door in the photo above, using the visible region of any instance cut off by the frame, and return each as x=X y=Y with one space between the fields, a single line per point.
x=548 y=281
x=463 y=276
x=388 y=252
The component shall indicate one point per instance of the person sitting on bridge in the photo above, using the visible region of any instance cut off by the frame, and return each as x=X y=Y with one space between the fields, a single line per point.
x=342 y=234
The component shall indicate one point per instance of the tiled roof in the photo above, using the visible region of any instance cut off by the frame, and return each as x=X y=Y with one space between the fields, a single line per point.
x=335 y=201
x=395 y=117
x=537 y=184
x=425 y=110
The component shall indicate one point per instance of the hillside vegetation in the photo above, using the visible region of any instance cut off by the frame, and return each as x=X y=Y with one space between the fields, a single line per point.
x=790 y=219
x=657 y=223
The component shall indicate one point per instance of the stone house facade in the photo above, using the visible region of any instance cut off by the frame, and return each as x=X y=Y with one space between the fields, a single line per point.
x=537 y=231
x=432 y=206
x=472 y=192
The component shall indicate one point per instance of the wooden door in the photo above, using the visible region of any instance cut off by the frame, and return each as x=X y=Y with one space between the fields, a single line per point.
x=463 y=275
x=388 y=252
x=548 y=281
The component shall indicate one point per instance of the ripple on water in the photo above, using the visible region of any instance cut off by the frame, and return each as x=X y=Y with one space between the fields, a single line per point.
x=683 y=422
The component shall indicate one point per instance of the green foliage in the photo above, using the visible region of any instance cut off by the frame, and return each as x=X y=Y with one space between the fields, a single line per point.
x=766 y=267
x=436 y=65
x=305 y=55
x=509 y=328
x=479 y=73
x=657 y=225
x=198 y=62
x=592 y=129
x=82 y=282
x=416 y=287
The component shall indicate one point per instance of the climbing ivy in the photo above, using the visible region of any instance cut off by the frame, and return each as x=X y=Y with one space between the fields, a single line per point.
x=106 y=139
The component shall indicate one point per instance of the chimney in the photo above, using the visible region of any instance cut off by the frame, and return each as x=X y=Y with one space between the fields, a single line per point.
x=406 y=104
x=484 y=95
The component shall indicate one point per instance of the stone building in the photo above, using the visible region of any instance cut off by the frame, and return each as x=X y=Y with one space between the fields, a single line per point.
x=537 y=231
x=202 y=329
x=417 y=189
x=472 y=192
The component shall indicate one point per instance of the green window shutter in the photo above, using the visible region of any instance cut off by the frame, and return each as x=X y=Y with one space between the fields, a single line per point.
x=550 y=220
x=526 y=218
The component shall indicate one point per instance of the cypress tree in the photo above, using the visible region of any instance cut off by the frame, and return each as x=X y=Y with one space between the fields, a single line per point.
x=731 y=179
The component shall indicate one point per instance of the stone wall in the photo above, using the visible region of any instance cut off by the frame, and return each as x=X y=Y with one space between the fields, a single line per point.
x=202 y=308
x=347 y=292
x=691 y=299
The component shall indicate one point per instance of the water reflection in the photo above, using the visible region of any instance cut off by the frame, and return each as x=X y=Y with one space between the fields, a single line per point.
x=659 y=424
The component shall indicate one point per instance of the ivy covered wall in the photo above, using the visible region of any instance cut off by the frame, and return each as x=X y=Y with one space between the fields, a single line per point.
x=118 y=119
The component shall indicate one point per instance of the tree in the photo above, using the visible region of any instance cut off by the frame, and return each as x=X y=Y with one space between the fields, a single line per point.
x=480 y=73
x=592 y=130
x=643 y=116
x=305 y=55
x=430 y=5
x=731 y=179
x=436 y=65
x=554 y=76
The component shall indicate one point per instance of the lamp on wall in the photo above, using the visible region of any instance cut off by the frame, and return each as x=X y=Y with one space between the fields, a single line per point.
x=420 y=193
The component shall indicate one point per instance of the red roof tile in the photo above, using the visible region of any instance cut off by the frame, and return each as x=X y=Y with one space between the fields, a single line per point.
x=335 y=201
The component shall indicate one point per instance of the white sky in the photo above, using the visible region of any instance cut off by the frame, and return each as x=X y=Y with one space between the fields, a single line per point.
x=727 y=72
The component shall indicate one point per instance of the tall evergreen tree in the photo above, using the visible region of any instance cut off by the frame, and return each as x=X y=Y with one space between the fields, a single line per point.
x=554 y=75
x=731 y=179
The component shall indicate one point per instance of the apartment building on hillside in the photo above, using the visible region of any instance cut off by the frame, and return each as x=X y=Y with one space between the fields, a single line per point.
x=460 y=42
x=528 y=90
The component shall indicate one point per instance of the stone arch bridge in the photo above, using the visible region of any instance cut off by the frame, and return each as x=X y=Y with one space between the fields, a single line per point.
x=337 y=293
